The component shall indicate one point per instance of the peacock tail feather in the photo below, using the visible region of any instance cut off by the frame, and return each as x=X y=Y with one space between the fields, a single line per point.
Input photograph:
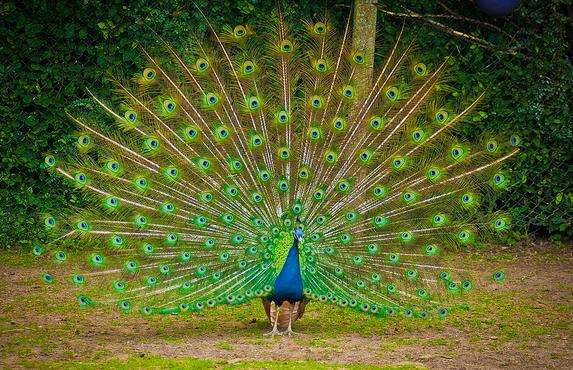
x=210 y=157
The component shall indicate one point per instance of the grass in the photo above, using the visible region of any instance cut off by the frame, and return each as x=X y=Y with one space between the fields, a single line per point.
x=190 y=363
x=527 y=320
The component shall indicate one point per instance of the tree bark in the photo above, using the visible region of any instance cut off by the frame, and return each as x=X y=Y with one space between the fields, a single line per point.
x=364 y=38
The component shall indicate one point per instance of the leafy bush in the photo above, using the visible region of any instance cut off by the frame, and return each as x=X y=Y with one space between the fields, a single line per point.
x=52 y=52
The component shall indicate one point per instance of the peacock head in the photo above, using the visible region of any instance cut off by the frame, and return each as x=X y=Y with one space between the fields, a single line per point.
x=299 y=230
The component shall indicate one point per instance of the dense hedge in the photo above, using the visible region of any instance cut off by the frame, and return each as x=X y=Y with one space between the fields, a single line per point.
x=52 y=51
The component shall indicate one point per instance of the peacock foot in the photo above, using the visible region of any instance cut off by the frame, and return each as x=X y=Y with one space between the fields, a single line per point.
x=290 y=332
x=272 y=333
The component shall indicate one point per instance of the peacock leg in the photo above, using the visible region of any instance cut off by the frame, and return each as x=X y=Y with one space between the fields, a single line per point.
x=289 y=331
x=275 y=326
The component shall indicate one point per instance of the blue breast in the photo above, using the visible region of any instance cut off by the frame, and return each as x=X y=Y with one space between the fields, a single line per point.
x=288 y=285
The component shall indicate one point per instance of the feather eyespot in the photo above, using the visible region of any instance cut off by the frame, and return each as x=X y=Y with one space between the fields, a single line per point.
x=339 y=124
x=149 y=74
x=358 y=58
x=50 y=160
x=202 y=65
x=348 y=91
x=248 y=67
x=491 y=146
x=392 y=93
x=420 y=69
x=286 y=46
x=239 y=31
x=84 y=141
x=319 y=28
x=320 y=65
x=131 y=116
x=169 y=106
x=441 y=116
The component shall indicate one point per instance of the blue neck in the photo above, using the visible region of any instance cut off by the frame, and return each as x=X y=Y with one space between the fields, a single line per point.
x=288 y=285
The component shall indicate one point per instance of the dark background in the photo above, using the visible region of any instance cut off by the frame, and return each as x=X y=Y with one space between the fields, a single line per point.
x=52 y=51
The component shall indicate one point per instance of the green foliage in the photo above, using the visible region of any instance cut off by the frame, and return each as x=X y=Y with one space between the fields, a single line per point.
x=52 y=53
x=529 y=80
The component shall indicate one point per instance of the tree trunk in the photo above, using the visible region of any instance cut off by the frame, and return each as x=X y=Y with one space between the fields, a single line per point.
x=364 y=38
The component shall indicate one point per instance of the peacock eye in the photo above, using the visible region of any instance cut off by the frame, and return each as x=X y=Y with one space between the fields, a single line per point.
x=149 y=74
x=392 y=93
x=286 y=46
x=240 y=31
x=319 y=28
x=376 y=123
x=420 y=69
x=441 y=116
x=358 y=58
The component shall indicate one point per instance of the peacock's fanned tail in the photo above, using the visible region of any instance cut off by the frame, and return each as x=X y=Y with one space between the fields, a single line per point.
x=215 y=153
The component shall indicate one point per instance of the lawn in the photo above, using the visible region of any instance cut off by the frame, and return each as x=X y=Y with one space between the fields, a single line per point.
x=524 y=323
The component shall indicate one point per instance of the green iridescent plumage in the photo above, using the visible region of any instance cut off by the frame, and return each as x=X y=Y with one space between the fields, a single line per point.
x=220 y=151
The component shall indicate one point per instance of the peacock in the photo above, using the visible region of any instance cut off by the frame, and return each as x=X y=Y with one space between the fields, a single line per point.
x=256 y=163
